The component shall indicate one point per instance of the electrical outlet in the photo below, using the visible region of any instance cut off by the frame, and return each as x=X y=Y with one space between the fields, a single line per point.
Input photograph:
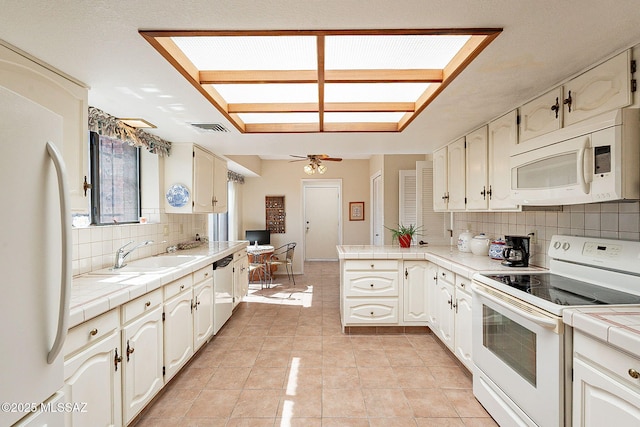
x=165 y=230
x=533 y=234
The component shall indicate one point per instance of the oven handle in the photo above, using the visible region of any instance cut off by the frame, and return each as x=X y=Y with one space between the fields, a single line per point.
x=542 y=321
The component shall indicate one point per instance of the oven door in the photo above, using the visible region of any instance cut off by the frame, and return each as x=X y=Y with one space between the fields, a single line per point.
x=556 y=174
x=518 y=352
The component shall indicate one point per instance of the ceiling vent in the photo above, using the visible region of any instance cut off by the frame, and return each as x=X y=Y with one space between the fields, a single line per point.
x=210 y=127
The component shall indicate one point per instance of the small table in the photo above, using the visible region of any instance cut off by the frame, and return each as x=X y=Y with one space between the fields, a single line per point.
x=259 y=254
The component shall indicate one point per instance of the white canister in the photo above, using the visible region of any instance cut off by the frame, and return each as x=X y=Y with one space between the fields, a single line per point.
x=463 y=241
x=480 y=245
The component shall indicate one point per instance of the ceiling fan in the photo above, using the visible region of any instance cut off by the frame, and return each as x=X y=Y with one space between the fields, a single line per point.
x=315 y=162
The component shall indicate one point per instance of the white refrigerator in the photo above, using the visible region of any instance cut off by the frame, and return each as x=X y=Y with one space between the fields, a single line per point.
x=35 y=262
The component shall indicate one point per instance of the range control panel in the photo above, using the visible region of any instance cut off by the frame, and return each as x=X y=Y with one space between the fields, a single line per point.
x=611 y=254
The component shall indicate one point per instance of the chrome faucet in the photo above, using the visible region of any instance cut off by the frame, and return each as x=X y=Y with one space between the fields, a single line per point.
x=121 y=254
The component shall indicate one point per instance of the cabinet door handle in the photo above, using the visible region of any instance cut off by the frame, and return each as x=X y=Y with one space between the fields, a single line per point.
x=568 y=101
x=634 y=374
x=406 y=273
x=450 y=302
x=117 y=359
x=129 y=350
x=147 y=304
x=556 y=107
x=456 y=306
x=93 y=332
x=490 y=192
x=483 y=193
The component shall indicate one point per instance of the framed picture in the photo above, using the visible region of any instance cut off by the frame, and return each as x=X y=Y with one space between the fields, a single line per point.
x=356 y=211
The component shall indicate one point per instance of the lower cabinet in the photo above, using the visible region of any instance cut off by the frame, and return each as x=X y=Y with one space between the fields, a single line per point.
x=92 y=372
x=444 y=307
x=202 y=312
x=178 y=332
x=606 y=384
x=462 y=336
x=418 y=277
x=370 y=290
x=142 y=358
x=240 y=276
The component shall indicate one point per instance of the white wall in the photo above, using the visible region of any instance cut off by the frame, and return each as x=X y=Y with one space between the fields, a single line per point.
x=606 y=220
x=281 y=177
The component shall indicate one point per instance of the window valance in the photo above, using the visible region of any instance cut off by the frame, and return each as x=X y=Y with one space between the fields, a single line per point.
x=235 y=177
x=107 y=125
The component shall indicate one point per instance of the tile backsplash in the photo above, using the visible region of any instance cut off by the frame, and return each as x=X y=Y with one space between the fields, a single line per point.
x=94 y=247
x=606 y=220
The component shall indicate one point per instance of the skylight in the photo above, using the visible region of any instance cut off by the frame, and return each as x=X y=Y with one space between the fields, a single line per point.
x=321 y=81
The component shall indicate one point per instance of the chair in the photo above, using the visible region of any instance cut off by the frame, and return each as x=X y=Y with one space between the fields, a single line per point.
x=257 y=268
x=282 y=256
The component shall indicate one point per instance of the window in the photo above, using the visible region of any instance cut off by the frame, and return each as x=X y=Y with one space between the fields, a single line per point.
x=115 y=176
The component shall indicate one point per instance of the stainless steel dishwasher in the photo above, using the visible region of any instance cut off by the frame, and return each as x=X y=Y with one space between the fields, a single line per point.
x=222 y=292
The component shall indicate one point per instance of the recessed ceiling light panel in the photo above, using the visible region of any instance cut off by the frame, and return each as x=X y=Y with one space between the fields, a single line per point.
x=321 y=80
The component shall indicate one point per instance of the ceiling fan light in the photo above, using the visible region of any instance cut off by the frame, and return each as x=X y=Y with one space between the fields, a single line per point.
x=309 y=169
x=322 y=169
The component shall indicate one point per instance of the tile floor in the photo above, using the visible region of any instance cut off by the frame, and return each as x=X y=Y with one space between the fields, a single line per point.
x=282 y=360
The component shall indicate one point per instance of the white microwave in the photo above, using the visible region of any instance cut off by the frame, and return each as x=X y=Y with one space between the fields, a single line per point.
x=596 y=160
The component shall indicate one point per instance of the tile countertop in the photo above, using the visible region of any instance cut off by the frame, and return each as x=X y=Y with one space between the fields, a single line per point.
x=463 y=263
x=618 y=326
x=92 y=295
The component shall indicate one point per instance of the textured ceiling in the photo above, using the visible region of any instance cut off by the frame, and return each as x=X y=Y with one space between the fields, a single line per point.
x=98 y=43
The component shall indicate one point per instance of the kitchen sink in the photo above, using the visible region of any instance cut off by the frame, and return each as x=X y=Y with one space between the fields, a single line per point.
x=151 y=265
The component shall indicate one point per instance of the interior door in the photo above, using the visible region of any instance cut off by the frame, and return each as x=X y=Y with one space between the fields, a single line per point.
x=322 y=222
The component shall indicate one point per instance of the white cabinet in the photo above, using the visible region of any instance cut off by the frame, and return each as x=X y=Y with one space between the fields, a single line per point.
x=418 y=277
x=92 y=372
x=432 y=298
x=195 y=168
x=606 y=384
x=203 y=311
x=370 y=292
x=503 y=135
x=444 y=307
x=602 y=88
x=541 y=115
x=598 y=90
x=462 y=306
x=220 y=191
x=440 y=171
x=142 y=344
x=450 y=314
x=178 y=332
x=477 y=167
x=449 y=177
x=63 y=96
x=240 y=276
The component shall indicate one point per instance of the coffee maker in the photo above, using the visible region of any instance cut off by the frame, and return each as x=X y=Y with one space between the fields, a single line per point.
x=516 y=252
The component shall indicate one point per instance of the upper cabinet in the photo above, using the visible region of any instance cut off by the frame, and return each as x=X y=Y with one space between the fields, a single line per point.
x=202 y=174
x=46 y=86
x=600 y=89
x=449 y=177
x=503 y=135
x=477 y=170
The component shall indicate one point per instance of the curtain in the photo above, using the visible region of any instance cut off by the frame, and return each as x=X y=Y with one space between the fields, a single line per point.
x=107 y=125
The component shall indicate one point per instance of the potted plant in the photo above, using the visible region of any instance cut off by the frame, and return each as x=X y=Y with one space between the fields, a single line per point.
x=404 y=234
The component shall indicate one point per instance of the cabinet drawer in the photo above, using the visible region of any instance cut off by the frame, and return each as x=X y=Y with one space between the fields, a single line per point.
x=141 y=305
x=446 y=275
x=240 y=254
x=379 y=310
x=371 y=264
x=463 y=283
x=177 y=286
x=383 y=283
x=203 y=274
x=609 y=358
x=91 y=331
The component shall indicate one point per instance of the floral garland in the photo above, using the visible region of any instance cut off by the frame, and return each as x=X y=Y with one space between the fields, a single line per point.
x=107 y=125
x=235 y=177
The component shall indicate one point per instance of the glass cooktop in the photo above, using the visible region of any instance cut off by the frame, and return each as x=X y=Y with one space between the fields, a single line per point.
x=562 y=290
